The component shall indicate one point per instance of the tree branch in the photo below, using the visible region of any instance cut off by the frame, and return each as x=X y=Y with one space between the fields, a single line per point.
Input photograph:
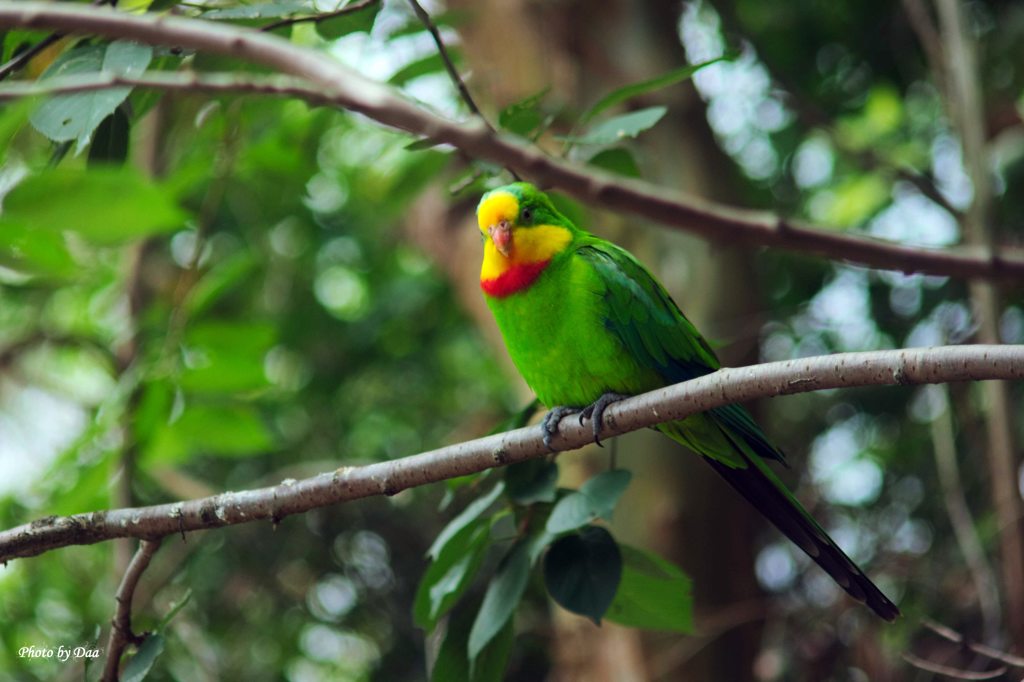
x=987 y=651
x=955 y=673
x=348 y=89
x=964 y=529
x=121 y=634
x=911 y=366
x=171 y=81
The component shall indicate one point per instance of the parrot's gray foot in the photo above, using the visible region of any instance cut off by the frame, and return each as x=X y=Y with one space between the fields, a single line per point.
x=550 y=424
x=595 y=412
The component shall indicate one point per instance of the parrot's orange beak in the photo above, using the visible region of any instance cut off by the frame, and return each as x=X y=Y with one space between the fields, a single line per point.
x=501 y=235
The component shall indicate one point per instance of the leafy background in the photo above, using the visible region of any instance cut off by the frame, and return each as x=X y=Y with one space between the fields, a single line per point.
x=200 y=293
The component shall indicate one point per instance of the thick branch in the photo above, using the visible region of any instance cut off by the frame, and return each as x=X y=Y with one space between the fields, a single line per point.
x=349 y=89
x=911 y=366
x=172 y=81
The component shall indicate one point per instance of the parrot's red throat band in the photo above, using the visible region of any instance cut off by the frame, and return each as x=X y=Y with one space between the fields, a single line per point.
x=515 y=278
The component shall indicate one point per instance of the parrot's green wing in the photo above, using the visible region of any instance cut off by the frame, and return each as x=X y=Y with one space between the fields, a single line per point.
x=638 y=310
x=656 y=333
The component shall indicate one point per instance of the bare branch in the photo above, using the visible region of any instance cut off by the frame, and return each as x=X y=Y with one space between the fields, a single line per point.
x=877 y=368
x=955 y=673
x=964 y=529
x=317 y=18
x=350 y=90
x=987 y=651
x=121 y=634
x=171 y=81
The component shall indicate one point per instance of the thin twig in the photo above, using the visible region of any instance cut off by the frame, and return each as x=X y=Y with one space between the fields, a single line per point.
x=317 y=18
x=953 y=636
x=955 y=673
x=347 y=89
x=453 y=73
x=876 y=368
x=960 y=518
x=121 y=634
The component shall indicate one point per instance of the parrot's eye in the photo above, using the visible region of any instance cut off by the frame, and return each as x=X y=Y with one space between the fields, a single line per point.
x=526 y=216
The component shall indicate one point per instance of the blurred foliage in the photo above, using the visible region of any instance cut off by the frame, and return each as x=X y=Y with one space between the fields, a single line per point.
x=209 y=293
x=250 y=312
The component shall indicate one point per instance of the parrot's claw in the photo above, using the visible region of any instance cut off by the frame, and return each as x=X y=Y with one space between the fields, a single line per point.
x=550 y=424
x=595 y=412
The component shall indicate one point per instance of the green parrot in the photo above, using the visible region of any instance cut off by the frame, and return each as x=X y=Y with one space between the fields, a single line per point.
x=586 y=324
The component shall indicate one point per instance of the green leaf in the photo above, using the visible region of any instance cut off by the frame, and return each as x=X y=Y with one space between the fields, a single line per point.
x=220 y=280
x=432 y=63
x=138 y=666
x=266 y=10
x=64 y=118
x=635 y=89
x=452 y=665
x=350 y=22
x=582 y=572
x=17 y=40
x=34 y=251
x=854 y=200
x=523 y=117
x=501 y=599
x=472 y=511
x=448 y=18
x=104 y=205
x=226 y=357
x=175 y=608
x=448 y=576
x=616 y=160
x=421 y=144
x=537 y=543
x=595 y=498
x=13 y=116
x=621 y=127
x=214 y=430
x=653 y=594
x=531 y=481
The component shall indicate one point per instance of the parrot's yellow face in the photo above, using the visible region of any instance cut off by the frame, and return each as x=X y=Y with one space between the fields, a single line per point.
x=511 y=238
x=497 y=218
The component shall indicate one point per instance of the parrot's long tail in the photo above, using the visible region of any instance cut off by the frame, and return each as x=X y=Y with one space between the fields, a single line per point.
x=763 y=490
